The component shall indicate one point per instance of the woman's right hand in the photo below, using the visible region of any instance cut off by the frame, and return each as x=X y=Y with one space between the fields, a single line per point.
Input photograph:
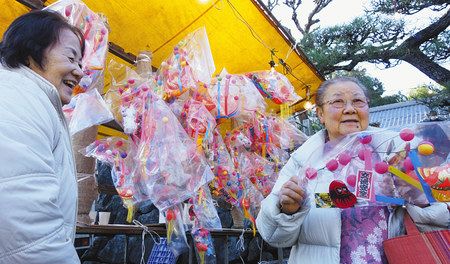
x=291 y=196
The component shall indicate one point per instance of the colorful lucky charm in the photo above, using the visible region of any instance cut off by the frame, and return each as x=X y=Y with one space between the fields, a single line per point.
x=275 y=86
x=201 y=249
x=170 y=218
x=203 y=243
x=87 y=107
x=246 y=208
x=340 y=195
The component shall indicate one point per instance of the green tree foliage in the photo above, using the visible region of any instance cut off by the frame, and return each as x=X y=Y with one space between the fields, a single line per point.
x=378 y=37
x=437 y=99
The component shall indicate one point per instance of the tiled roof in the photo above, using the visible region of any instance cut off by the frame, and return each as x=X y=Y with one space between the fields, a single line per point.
x=398 y=114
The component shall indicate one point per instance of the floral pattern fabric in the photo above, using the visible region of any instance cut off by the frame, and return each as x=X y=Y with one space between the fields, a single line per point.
x=363 y=231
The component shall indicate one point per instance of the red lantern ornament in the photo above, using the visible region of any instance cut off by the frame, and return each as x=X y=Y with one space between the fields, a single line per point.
x=340 y=195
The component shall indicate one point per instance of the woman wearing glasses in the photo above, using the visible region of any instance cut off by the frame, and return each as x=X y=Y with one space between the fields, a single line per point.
x=288 y=217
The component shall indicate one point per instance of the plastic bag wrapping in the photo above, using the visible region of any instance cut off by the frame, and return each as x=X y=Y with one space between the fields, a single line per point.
x=197 y=121
x=382 y=159
x=285 y=135
x=119 y=154
x=172 y=168
x=261 y=172
x=203 y=214
x=176 y=232
x=274 y=85
x=93 y=27
x=85 y=110
x=95 y=34
x=203 y=244
x=225 y=90
x=252 y=100
x=205 y=218
x=127 y=97
x=225 y=182
x=190 y=63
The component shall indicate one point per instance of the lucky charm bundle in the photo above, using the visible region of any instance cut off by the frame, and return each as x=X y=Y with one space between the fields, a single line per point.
x=381 y=167
x=190 y=63
x=119 y=154
x=274 y=86
x=172 y=168
x=95 y=34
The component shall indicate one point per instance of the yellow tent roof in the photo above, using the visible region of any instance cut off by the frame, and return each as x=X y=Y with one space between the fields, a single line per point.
x=241 y=33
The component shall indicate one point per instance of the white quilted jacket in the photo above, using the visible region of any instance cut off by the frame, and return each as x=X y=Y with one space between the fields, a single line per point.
x=38 y=189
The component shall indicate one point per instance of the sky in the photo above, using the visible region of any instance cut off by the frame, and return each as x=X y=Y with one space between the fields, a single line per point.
x=401 y=78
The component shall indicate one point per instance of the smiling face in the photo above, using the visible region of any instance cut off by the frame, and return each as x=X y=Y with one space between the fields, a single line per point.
x=348 y=119
x=62 y=64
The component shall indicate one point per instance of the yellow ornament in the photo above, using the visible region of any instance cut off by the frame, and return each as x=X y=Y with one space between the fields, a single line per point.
x=425 y=148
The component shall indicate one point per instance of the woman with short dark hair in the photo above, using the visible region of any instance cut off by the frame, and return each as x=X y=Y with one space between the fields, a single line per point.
x=40 y=56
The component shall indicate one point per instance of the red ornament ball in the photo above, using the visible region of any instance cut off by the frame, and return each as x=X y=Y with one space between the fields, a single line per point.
x=361 y=154
x=381 y=167
x=407 y=165
x=344 y=158
x=332 y=165
x=365 y=139
x=406 y=134
x=311 y=173
x=170 y=215
x=351 y=180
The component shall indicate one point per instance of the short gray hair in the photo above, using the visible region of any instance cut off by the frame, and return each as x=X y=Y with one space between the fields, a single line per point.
x=324 y=87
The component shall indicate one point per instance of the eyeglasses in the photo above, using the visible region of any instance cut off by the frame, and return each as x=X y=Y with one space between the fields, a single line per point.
x=340 y=103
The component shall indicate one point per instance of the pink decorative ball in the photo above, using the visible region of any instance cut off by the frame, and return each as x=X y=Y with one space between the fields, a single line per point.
x=344 y=158
x=381 y=167
x=365 y=139
x=361 y=154
x=311 y=173
x=351 y=180
x=406 y=134
x=407 y=164
x=332 y=165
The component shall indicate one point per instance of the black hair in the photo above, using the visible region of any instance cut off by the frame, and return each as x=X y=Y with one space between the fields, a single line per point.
x=324 y=87
x=30 y=35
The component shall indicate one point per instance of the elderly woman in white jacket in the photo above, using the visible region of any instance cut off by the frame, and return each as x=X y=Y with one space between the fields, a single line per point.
x=40 y=56
x=288 y=217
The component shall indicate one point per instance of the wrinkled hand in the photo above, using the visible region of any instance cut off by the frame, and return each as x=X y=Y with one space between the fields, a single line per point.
x=291 y=196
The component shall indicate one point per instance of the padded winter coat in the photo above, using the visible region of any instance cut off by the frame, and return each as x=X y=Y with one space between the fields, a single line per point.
x=38 y=188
